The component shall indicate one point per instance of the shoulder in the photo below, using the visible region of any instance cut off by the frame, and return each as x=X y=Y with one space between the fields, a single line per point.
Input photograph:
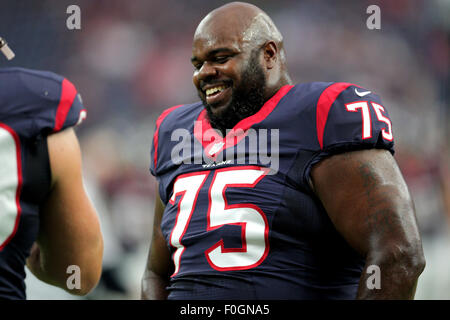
x=179 y=116
x=338 y=117
x=349 y=113
x=30 y=85
x=342 y=112
x=47 y=100
x=24 y=74
x=320 y=96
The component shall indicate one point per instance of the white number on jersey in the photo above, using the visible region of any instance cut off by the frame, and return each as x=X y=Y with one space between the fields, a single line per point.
x=255 y=244
x=367 y=122
x=10 y=183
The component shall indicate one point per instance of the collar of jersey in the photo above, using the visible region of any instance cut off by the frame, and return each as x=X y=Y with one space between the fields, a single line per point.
x=205 y=133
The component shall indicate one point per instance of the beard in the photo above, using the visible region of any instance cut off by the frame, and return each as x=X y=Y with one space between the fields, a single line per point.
x=246 y=100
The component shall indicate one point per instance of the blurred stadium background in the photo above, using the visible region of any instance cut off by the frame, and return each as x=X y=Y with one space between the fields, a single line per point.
x=130 y=60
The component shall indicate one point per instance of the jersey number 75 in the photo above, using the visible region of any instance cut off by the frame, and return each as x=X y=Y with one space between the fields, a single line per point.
x=253 y=221
x=366 y=121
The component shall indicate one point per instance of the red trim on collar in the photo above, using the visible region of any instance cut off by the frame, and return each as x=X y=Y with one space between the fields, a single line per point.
x=209 y=137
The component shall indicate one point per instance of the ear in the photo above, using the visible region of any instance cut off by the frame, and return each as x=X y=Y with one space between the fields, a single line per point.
x=270 y=50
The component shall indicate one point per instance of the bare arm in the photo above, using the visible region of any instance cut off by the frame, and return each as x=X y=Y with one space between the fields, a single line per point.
x=69 y=231
x=159 y=266
x=369 y=203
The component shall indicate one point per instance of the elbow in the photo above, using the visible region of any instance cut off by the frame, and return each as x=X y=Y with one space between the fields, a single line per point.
x=417 y=261
x=92 y=277
x=413 y=258
x=93 y=265
x=413 y=263
x=406 y=259
x=87 y=285
x=153 y=286
x=89 y=272
x=89 y=281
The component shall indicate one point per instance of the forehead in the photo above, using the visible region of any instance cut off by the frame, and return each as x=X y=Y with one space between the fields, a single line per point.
x=211 y=35
x=206 y=45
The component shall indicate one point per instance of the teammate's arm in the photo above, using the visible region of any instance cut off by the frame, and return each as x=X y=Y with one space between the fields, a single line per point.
x=159 y=267
x=69 y=232
x=369 y=203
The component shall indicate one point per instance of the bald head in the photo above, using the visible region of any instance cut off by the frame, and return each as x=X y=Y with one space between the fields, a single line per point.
x=239 y=62
x=244 y=21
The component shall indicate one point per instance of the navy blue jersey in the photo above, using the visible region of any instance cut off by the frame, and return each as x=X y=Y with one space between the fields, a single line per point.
x=33 y=104
x=241 y=220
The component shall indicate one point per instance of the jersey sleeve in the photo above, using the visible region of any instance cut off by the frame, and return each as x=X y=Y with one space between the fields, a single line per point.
x=70 y=110
x=350 y=118
x=61 y=107
x=51 y=101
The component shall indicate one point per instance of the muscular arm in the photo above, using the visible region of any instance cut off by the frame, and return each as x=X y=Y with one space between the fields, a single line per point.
x=69 y=232
x=159 y=267
x=369 y=203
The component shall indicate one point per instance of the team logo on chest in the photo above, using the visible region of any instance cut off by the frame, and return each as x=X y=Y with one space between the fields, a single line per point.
x=216 y=148
x=210 y=149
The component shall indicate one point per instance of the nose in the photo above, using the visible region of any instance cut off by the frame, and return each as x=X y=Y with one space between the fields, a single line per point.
x=207 y=71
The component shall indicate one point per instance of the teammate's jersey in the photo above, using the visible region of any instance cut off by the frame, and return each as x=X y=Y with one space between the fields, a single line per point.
x=241 y=220
x=33 y=104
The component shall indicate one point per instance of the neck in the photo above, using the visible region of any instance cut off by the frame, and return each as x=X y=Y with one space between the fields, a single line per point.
x=284 y=80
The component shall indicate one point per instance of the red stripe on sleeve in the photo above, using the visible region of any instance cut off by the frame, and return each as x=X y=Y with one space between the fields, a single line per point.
x=68 y=94
x=158 y=124
x=326 y=100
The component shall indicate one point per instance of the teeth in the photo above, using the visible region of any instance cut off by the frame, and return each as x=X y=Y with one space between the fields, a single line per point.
x=211 y=91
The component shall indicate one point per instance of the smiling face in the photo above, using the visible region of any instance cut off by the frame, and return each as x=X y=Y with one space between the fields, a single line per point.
x=246 y=99
x=230 y=84
x=228 y=75
x=218 y=69
x=239 y=62
x=219 y=64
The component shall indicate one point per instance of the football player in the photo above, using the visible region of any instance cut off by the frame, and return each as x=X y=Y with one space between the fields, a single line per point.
x=333 y=219
x=47 y=221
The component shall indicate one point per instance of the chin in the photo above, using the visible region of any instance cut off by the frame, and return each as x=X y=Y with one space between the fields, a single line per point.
x=219 y=110
x=215 y=109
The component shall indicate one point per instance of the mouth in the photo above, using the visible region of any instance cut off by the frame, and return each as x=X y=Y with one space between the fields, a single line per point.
x=217 y=95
